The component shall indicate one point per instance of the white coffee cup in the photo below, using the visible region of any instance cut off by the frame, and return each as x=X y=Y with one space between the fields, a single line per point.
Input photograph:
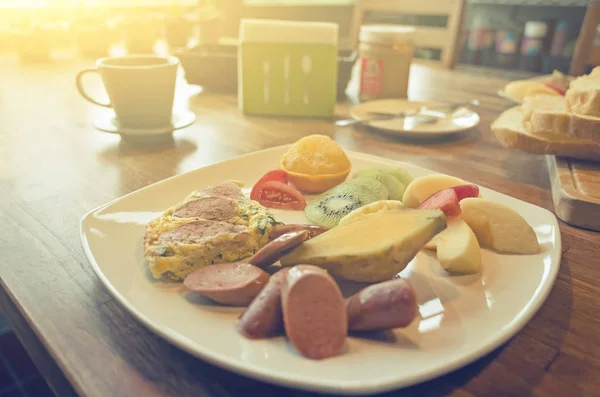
x=141 y=88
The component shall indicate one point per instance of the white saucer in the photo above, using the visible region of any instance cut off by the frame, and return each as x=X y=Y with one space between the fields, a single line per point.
x=461 y=120
x=180 y=119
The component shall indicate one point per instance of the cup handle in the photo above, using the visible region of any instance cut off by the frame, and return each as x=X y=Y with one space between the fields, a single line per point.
x=82 y=91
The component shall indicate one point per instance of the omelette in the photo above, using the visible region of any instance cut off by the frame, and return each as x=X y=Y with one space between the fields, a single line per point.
x=214 y=225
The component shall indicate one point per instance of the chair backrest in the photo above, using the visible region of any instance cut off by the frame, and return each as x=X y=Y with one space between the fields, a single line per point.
x=585 y=51
x=444 y=38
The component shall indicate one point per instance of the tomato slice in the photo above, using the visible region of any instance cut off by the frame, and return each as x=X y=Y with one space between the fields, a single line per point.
x=465 y=191
x=556 y=88
x=275 y=194
x=275 y=175
x=445 y=200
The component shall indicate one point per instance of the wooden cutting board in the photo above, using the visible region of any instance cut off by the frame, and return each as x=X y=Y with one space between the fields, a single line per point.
x=576 y=191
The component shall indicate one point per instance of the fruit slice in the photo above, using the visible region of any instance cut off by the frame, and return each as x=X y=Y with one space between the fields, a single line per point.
x=381 y=205
x=275 y=175
x=465 y=191
x=446 y=200
x=315 y=164
x=401 y=175
x=394 y=187
x=378 y=189
x=331 y=206
x=457 y=248
x=374 y=248
x=278 y=195
x=422 y=188
x=499 y=227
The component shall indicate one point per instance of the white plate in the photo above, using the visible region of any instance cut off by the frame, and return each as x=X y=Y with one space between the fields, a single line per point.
x=108 y=123
x=460 y=120
x=504 y=95
x=462 y=318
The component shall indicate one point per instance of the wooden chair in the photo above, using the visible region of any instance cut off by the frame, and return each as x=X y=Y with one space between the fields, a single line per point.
x=586 y=53
x=444 y=38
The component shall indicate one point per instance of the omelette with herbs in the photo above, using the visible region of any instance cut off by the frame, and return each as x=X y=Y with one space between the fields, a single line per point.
x=214 y=225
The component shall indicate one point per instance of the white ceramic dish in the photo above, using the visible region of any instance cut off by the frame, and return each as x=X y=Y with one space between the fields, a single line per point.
x=461 y=120
x=108 y=123
x=504 y=95
x=462 y=318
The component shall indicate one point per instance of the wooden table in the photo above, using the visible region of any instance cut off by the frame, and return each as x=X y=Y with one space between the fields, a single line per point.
x=55 y=167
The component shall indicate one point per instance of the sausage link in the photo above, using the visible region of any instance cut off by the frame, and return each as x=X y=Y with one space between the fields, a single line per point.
x=263 y=318
x=233 y=284
x=314 y=312
x=275 y=249
x=313 y=230
x=387 y=305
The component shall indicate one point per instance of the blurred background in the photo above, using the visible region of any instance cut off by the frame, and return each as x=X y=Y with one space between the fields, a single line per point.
x=492 y=34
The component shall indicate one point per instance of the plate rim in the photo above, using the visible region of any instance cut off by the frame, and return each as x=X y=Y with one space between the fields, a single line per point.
x=343 y=388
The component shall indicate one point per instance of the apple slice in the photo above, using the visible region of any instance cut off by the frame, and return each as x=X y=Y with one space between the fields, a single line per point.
x=499 y=227
x=422 y=188
x=446 y=200
x=457 y=248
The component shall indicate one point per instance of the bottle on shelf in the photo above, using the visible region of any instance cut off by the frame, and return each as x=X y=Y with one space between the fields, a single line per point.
x=507 y=47
x=532 y=46
x=480 y=44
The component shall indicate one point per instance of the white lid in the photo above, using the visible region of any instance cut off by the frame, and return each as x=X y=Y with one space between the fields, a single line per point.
x=536 y=29
x=392 y=34
x=276 y=31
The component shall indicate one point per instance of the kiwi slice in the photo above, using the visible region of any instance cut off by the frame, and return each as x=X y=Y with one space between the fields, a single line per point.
x=378 y=189
x=331 y=206
x=397 y=172
x=393 y=185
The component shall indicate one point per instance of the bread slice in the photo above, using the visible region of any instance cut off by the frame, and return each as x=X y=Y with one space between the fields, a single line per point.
x=583 y=95
x=511 y=133
x=547 y=116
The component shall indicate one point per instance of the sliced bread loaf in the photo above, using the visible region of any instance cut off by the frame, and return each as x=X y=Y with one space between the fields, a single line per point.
x=583 y=95
x=511 y=133
x=547 y=116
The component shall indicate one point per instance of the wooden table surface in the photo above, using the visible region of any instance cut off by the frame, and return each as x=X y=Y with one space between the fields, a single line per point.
x=55 y=167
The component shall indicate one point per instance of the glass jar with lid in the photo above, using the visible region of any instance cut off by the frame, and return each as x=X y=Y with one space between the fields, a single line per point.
x=385 y=54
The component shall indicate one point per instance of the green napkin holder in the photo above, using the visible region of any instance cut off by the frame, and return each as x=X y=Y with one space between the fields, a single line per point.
x=287 y=68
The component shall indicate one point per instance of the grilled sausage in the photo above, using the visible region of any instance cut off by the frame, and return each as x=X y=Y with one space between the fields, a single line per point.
x=271 y=252
x=387 y=305
x=233 y=284
x=263 y=318
x=212 y=208
x=280 y=230
x=314 y=312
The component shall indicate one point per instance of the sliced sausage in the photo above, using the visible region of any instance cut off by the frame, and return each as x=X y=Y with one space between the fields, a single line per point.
x=223 y=189
x=314 y=312
x=263 y=318
x=211 y=207
x=196 y=232
x=388 y=305
x=313 y=230
x=233 y=284
x=271 y=252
